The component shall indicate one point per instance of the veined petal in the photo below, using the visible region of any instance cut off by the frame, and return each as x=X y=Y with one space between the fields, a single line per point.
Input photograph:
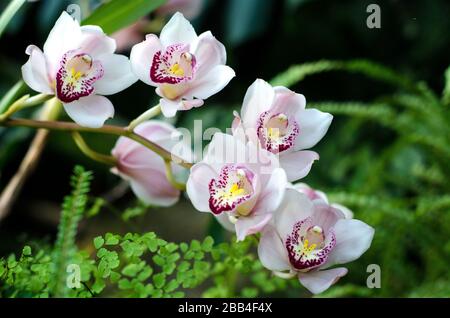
x=64 y=36
x=272 y=193
x=314 y=125
x=319 y=281
x=177 y=30
x=151 y=186
x=353 y=238
x=294 y=208
x=211 y=83
x=258 y=99
x=248 y=225
x=169 y=108
x=209 y=52
x=297 y=164
x=271 y=250
x=224 y=220
x=141 y=57
x=91 y=111
x=35 y=72
x=117 y=75
x=95 y=42
x=197 y=186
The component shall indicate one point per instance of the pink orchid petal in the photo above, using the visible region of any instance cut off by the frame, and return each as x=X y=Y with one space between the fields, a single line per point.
x=271 y=251
x=210 y=52
x=258 y=99
x=197 y=186
x=95 y=42
x=319 y=281
x=294 y=208
x=314 y=125
x=250 y=225
x=353 y=238
x=141 y=57
x=34 y=71
x=177 y=30
x=212 y=82
x=298 y=164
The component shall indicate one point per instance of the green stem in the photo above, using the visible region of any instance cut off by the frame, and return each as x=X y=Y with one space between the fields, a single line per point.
x=24 y=102
x=152 y=112
x=170 y=177
x=9 y=13
x=106 y=129
x=82 y=145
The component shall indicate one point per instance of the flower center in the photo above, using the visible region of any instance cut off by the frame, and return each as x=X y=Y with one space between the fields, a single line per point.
x=307 y=245
x=232 y=187
x=76 y=76
x=173 y=66
x=277 y=132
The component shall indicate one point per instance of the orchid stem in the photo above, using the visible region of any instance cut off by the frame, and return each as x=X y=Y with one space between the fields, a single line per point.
x=106 y=129
x=83 y=146
x=24 y=102
x=170 y=177
x=152 y=112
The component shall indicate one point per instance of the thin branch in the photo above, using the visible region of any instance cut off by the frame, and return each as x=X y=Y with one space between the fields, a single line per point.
x=171 y=178
x=106 y=129
x=152 y=112
x=84 y=148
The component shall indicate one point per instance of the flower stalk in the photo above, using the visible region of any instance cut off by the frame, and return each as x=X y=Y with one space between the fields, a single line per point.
x=24 y=102
x=171 y=178
x=85 y=149
x=152 y=112
x=106 y=129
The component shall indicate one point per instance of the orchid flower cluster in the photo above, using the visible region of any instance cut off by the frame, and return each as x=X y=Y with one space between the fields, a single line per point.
x=245 y=177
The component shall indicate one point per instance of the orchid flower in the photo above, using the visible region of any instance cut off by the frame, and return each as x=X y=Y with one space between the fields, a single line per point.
x=319 y=196
x=241 y=184
x=144 y=169
x=276 y=118
x=184 y=68
x=78 y=66
x=308 y=238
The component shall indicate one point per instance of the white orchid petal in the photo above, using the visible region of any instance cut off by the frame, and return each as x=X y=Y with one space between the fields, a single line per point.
x=91 y=111
x=177 y=30
x=141 y=57
x=319 y=281
x=314 y=125
x=117 y=75
x=271 y=251
x=353 y=238
x=35 y=72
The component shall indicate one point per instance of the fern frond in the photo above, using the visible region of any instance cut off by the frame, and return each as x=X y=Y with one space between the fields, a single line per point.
x=73 y=208
x=381 y=113
x=446 y=92
x=370 y=69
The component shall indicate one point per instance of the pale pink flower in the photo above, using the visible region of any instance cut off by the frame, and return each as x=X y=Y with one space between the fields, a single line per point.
x=78 y=65
x=276 y=118
x=144 y=169
x=237 y=182
x=184 y=68
x=319 y=196
x=307 y=238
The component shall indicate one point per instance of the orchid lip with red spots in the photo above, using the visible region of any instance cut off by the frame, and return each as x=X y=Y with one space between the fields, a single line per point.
x=78 y=66
x=283 y=126
x=185 y=68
